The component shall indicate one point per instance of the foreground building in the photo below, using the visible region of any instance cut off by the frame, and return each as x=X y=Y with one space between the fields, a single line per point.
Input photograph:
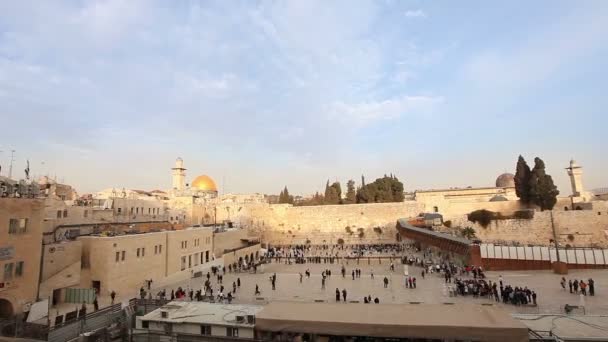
x=321 y=322
x=20 y=251
x=177 y=321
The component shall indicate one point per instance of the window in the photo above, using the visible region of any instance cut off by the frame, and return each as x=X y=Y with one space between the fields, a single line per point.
x=123 y=255
x=137 y=210
x=86 y=213
x=143 y=252
x=117 y=256
x=202 y=258
x=186 y=244
x=131 y=210
x=205 y=330
x=183 y=263
x=58 y=213
x=156 y=249
x=145 y=324
x=195 y=259
x=119 y=210
x=19 y=269
x=65 y=213
x=138 y=252
x=8 y=271
x=160 y=249
x=436 y=209
x=189 y=261
x=232 y=332
x=17 y=226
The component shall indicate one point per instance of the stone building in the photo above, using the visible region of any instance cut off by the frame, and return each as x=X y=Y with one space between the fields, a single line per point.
x=20 y=251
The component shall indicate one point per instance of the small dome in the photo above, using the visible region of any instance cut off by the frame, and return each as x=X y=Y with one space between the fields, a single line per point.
x=498 y=198
x=204 y=183
x=506 y=180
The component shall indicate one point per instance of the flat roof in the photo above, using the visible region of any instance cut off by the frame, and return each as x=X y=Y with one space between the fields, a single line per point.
x=464 y=189
x=567 y=327
x=203 y=313
x=128 y=235
x=461 y=321
x=403 y=223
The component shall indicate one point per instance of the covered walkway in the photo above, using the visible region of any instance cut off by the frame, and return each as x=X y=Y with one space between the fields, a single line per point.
x=445 y=242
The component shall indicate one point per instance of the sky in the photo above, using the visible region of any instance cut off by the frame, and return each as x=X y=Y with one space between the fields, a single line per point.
x=265 y=94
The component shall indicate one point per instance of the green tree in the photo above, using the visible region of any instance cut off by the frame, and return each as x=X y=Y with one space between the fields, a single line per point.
x=333 y=193
x=285 y=197
x=543 y=192
x=522 y=180
x=350 y=192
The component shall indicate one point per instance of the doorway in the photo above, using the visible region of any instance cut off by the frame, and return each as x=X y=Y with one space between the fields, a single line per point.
x=6 y=309
x=96 y=284
x=56 y=296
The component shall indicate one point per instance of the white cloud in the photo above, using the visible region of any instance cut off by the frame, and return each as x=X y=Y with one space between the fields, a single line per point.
x=415 y=14
x=361 y=114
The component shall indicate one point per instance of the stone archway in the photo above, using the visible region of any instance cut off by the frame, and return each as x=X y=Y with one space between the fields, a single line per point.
x=6 y=308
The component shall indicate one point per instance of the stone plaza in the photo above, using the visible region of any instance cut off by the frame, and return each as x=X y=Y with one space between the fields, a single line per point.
x=429 y=290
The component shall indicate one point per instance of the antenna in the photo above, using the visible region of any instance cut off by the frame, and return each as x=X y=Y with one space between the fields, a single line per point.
x=10 y=168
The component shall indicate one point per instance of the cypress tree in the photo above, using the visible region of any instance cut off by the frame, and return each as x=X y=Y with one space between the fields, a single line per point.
x=543 y=191
x=522 y=180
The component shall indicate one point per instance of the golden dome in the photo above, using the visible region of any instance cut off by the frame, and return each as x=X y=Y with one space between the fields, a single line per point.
x=203 y=183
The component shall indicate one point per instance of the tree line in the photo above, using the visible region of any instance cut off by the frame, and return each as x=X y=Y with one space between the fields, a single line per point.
x=535 y=186
x=382 y=190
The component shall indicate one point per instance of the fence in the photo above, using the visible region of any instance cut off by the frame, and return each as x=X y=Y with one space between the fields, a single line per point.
x=541 y=257
x=96 y=320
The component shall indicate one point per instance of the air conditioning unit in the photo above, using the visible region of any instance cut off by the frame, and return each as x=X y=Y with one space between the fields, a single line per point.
x=240 y=319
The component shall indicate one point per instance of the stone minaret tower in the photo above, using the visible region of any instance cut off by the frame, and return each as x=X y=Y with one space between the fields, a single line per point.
x=179 y=175
x=576 y=178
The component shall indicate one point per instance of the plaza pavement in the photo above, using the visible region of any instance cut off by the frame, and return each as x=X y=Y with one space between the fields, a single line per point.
x=431 y=290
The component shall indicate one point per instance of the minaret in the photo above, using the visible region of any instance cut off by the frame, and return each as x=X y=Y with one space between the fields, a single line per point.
x=576 y=178
x=179 y=175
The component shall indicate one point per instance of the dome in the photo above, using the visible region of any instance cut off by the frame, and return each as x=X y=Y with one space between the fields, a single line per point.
x=498 y=198
x=506 y=180
x=203 y=183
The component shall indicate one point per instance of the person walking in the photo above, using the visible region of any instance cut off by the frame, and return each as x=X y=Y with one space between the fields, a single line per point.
x=575 y=284
x=385 y=282
x=583 y=286
x=563 y=283
x=353 y=274
x=323 y=283
x=95 y=304
x=570 y=285
x=257 y=289
x=337 y=294
x=591 y=284
x=344 y=295
x=112 y=296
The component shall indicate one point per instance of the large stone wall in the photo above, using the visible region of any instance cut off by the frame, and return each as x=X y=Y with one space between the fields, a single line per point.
x=576 y=228
x=286 y=224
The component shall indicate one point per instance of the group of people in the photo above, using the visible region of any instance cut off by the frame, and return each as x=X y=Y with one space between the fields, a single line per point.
x=576 y=285
x=495 y=291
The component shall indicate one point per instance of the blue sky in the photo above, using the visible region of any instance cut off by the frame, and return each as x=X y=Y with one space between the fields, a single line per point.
x=264 y=94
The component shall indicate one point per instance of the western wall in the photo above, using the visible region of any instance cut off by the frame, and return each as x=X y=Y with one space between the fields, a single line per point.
x=286 y=224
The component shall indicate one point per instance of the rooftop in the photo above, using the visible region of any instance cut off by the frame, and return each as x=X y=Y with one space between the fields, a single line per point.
x=462 y=321
x=201 y=312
